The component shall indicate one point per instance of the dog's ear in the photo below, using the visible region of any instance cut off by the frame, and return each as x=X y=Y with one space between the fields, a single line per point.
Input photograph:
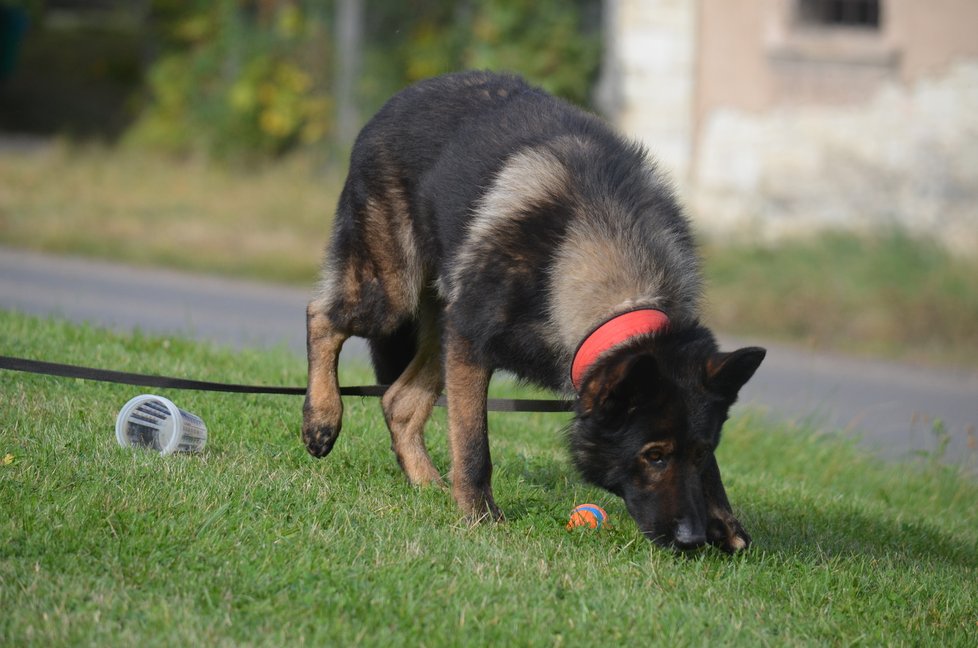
x=726 y=373
x=614 y=382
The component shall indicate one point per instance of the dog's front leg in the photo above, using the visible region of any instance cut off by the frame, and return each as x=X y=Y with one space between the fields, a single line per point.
x=723 y=530
x=322 y=413
x=467 y=387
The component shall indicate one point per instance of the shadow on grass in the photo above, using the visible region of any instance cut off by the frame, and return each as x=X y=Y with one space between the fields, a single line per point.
x=818 y=534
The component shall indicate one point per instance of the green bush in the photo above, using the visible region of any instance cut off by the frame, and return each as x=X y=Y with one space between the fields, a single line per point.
x=240 y=78
x=232 y=82
x=552 y=43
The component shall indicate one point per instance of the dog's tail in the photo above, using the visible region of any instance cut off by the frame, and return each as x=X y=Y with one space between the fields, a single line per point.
x=391 y=354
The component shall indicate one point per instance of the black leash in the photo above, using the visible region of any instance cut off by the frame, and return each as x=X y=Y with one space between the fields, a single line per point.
x=166 y=382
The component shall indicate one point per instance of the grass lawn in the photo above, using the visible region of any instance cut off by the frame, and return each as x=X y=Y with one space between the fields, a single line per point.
x=255 y=542
x=269 y=223
x=889 y=296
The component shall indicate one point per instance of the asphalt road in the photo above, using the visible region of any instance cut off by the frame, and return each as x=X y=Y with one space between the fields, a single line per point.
x=890 y=407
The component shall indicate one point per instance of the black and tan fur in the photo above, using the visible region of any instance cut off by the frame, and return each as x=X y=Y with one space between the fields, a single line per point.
x=486 y=225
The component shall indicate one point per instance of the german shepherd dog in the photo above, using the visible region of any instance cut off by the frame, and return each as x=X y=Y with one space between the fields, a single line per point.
x=485 y=225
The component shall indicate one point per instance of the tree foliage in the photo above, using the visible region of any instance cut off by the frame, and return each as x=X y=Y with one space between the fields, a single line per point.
x=247 y=77
x=236 y=77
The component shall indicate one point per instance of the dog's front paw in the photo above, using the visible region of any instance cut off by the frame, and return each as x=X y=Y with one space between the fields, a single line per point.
x=321 y=426
x=478 y=506
x=489 y=515
x=319 y=437
x=725 y=532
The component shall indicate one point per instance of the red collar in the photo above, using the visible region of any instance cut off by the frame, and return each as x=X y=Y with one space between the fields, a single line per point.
x=615 y=331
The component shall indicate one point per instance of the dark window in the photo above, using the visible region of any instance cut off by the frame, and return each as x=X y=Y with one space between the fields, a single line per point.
x=840 y=13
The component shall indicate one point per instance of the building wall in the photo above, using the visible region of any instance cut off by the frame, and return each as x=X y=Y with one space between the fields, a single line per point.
x=799 y=128
x=754 y=55
x=648 y=75
x=933 y=35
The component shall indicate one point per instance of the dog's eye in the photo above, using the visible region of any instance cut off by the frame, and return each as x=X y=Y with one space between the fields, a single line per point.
x=655 y=457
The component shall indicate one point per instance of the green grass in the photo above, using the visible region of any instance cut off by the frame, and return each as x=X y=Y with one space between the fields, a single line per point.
x=890 y=296
x=254 y=542
x=266 y=222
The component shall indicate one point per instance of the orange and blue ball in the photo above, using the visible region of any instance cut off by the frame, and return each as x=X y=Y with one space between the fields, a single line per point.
x=587 y=515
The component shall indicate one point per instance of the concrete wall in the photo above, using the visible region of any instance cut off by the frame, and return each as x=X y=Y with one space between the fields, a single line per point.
x=932 y=35
x=908 y=157
x=755 y=55
x=649 y=62
x=792 y=128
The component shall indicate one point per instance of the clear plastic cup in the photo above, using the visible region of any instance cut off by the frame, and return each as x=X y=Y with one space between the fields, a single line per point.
x=150 y=421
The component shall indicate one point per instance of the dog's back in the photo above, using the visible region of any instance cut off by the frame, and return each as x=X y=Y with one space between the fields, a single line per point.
x=533 y=219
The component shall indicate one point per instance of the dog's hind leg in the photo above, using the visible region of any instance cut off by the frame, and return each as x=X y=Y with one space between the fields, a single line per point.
x=323 y=408
x=371 y=285
x=409 y=401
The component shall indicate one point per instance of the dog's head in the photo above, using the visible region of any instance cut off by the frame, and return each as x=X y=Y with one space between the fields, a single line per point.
x=648 y=421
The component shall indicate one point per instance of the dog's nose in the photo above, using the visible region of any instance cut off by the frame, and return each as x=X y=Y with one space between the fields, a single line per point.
x=688 y=537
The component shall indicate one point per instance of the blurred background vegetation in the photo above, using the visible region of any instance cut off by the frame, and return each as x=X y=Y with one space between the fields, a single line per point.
x=212 y=136
x=260 y=78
